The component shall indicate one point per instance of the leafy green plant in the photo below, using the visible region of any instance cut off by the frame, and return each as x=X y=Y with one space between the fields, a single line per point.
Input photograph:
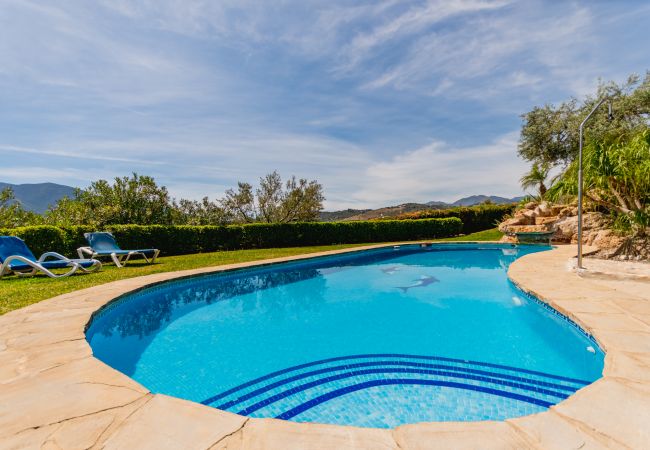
x=474 y=218
x=616 y=178
x=536 y=179
x=12 y=214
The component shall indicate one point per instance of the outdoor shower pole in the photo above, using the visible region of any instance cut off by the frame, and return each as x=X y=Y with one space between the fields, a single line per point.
x=582 y=125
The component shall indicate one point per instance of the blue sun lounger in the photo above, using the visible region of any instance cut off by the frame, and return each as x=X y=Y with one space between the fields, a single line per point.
x=17 y=258
x=103 y=244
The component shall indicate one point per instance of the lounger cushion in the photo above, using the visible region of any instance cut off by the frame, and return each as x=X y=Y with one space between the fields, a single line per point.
x=103 y=244
x=124 y=252
x=11 y=245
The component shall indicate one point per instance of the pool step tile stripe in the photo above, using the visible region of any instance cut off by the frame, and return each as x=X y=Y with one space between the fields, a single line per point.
x=289 y=392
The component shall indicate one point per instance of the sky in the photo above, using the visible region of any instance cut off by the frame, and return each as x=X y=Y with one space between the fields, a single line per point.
x=382 y=101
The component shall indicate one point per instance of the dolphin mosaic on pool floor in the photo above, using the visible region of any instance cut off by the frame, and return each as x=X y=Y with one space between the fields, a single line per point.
x=55 y=394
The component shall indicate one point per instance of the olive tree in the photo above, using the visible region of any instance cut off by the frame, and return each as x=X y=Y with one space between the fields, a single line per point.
x=12 y=213
x=549 y=134
x=128 y=200
x=205 y=212
x=274 y=201
x=70 y=211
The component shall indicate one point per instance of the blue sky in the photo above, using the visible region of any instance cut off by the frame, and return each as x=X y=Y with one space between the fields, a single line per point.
x=382 y=101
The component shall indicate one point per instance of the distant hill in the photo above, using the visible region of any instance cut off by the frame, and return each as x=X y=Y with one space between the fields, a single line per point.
x=333 y=216
x=37 y=197
x=436 y=204
x=478 y=199
x=392 y=211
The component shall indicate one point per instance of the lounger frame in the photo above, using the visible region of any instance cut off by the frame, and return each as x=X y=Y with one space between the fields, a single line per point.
x=38 y=267
x=120 y=259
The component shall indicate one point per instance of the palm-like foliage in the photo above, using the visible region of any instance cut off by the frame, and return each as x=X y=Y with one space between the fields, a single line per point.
x=616 y=176
x=536 y=179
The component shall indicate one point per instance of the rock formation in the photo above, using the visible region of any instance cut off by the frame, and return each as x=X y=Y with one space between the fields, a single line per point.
x=563 y=219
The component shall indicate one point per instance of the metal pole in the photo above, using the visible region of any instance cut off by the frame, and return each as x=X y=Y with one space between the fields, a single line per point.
x=582 y=125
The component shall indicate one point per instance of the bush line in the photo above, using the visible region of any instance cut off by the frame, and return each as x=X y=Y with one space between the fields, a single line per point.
x=474 y=218
x=185 y=239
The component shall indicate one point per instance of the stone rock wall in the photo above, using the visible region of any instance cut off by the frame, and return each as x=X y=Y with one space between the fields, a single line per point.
x=563 y=220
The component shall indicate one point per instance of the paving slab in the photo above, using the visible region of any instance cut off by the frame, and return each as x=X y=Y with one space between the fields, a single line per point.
x=171 y=423
x=75 y=389
x=629 y=366
x=460 y=436
x=550 y=431
x=272 y=434
x=613 y=408
x=612 y=321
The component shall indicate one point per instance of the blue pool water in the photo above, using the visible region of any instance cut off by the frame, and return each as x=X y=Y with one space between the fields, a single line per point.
x=376 y=338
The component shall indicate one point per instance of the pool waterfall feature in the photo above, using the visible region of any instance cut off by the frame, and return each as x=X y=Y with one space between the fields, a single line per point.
x=376 y=338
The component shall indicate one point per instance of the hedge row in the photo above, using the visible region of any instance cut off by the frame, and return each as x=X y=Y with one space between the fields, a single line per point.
x=474 y=218
x=178 y=240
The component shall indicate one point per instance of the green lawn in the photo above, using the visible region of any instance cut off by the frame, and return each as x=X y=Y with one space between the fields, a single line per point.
x=487 y=235
x=18 y=292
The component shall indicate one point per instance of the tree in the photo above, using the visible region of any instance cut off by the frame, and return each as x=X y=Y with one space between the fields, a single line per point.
x=536 y=178
x=275 y=202
x=550 y=134
x=12 y=213
x=139 y=200
x=129 y=200
x=205 y=212
x=240 y=204
x=616 y=177
x=70 y=211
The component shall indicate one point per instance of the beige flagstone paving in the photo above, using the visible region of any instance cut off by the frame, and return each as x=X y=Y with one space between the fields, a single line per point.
x=55 y=395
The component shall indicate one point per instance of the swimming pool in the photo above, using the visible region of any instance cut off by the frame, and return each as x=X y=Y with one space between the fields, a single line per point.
x=375 y=338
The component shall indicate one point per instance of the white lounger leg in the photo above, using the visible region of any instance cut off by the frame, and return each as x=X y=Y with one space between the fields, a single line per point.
x=144 y=256
x=116 y=260
x=97 y=265
x=86 y=253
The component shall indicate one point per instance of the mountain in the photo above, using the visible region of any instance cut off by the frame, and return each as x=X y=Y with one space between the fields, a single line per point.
x=333 y=216
x=438 y=205
x=37 y=197
x=391 y=211
x=478 y=199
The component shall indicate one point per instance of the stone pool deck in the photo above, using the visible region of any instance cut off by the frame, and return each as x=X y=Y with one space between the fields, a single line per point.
x=55 y=395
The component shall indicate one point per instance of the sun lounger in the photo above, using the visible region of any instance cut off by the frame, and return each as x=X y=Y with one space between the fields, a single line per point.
x=104 y=244
x=17 y=258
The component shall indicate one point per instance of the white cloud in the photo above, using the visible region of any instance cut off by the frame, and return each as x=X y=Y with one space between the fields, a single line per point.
x=411 y=22
x=439 y=171
x=75 y=51
x=351 y=175
x=203 y=93
x=492 y=56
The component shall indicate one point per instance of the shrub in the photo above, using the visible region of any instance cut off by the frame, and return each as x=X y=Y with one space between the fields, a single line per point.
x=474 y=218
x=178 y=240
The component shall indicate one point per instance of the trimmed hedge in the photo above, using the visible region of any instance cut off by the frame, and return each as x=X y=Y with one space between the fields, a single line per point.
x=474 y=218
x=179 y=240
